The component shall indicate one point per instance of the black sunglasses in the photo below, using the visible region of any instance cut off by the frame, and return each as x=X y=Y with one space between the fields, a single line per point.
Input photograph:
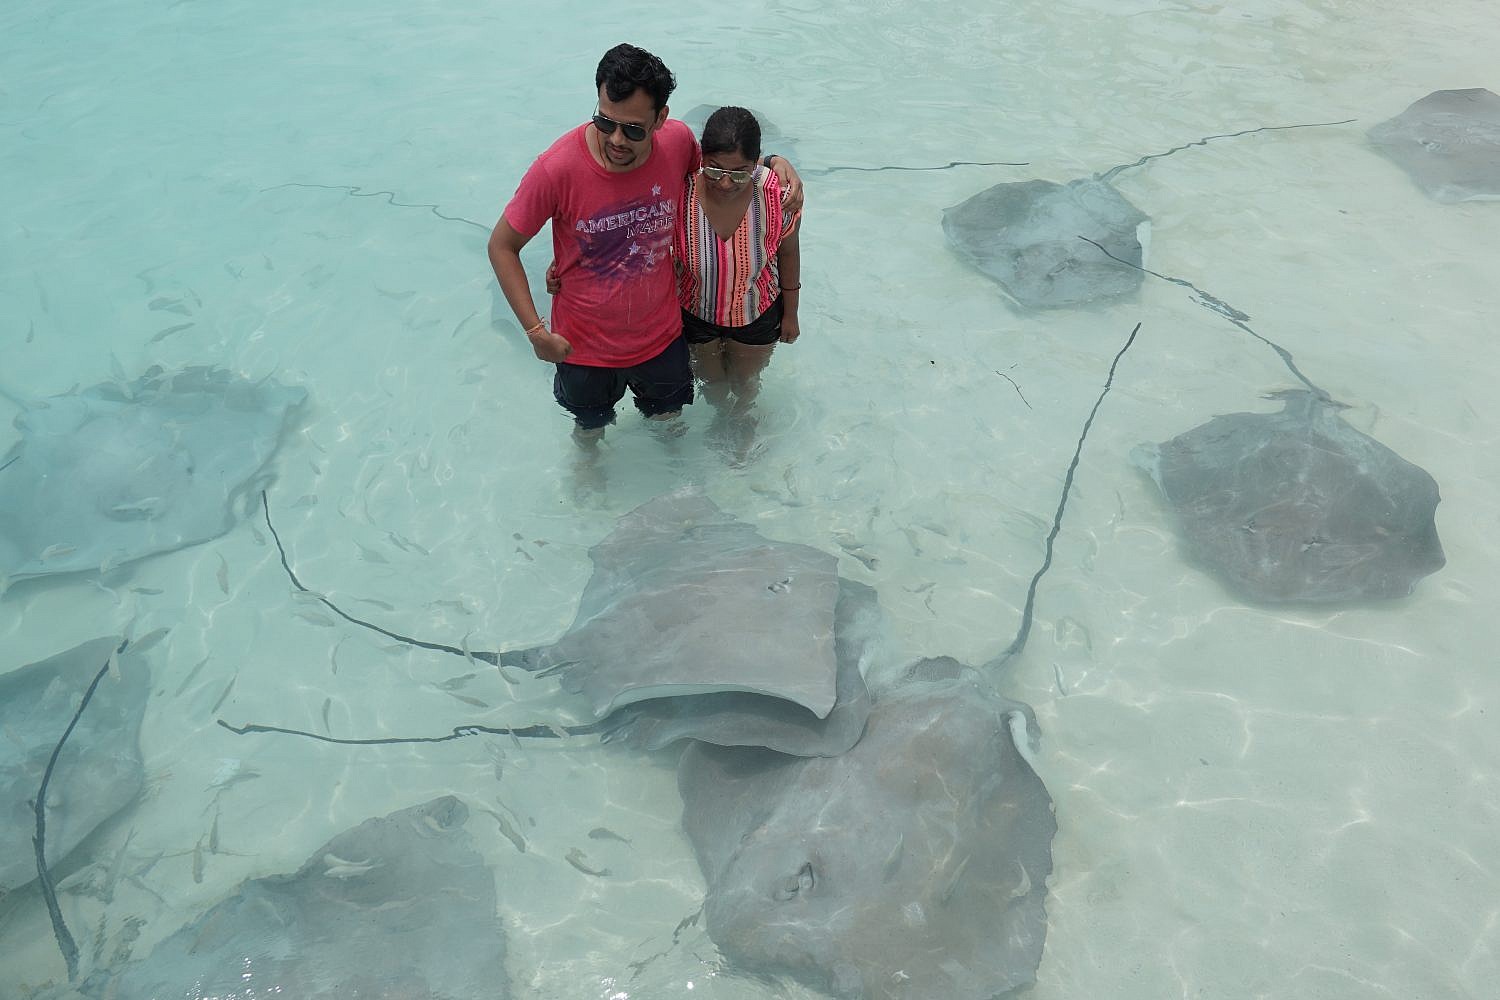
x=635 y=133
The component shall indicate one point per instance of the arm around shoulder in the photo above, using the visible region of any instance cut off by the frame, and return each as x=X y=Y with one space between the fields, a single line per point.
x=790 y=180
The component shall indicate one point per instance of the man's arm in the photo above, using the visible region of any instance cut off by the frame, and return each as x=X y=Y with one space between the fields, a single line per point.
x=505 y=257
x=791 y=182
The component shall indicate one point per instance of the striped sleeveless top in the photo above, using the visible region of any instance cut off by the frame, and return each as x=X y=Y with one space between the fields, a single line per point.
x=731 y=282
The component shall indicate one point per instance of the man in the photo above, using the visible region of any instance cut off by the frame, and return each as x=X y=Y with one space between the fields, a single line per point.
x=611 y=189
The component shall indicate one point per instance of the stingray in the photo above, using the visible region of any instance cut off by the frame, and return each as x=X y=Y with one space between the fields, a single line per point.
x=1025 y=236
x=399 y=906
x=99 y=770
x=118 y=472
x=915 y=865
x=731 y=634
x=1449 y=142
x=738 y=719
x=1298 y=505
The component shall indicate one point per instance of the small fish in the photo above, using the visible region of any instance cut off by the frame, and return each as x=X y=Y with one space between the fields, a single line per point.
x=524 y=554
x=148 y=640
x=457 y=606
x=454 y=683
x=213 y=834
x=303 y=502
x=406 y=543
x=198 y=861
x=382 y=605
x=952 y=886
x=370 y=555
x=893 y=862
x=223 y=574
x=164 y=304
x=1023 y=884
x=57 y=551
x=231 y=771
x=137 y=510
x=333 y=657
x=346 y=869
x=508 y=831
x=223 y=697
x=327 y=704
x=853 y=547
x=578 y=860
x=604 y=833
x=169 y=331
x=313 y=618
x=467 y=700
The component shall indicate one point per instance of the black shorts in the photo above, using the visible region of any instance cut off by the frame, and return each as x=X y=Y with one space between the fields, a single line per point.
x=765 y=329
x=663 y=384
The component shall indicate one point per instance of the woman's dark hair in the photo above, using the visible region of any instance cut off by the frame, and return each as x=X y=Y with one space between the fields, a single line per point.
x=732 y=130
x=626 y=69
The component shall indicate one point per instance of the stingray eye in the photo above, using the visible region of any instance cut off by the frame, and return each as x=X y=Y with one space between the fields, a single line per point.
x=793 y=884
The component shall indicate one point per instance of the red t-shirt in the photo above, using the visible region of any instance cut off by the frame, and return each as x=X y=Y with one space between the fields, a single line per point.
x=612 y=241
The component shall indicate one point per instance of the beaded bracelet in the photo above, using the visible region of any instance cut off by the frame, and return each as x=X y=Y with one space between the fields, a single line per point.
x=539 y=325
x=790 y=288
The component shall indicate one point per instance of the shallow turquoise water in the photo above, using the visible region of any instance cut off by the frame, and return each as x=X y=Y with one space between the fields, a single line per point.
x=1250 y=801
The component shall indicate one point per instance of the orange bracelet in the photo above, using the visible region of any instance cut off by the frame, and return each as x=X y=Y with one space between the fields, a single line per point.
x=541 y=323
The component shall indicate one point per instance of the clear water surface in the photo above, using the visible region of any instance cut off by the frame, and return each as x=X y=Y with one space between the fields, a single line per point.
x=1251 y=801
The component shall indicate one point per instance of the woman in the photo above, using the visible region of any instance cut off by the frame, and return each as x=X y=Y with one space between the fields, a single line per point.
x=738 y=263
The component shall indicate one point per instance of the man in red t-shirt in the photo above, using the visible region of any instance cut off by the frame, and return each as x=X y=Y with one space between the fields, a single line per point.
x=612 y=189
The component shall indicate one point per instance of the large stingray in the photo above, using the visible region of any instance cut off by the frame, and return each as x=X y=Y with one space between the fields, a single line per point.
x=736 y=719
x=680 y=605
x=1298 y=505
x=1025 y=235
x=99 y=770
x=399 y=906
x=121 y=471
x=914 y=865
x=1449 y=142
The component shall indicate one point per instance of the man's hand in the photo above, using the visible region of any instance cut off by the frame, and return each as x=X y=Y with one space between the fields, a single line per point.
x=549 y=346
x=554 y=283
x=791 y=185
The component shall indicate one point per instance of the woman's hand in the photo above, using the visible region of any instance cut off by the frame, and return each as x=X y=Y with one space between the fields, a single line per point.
x=790 y=329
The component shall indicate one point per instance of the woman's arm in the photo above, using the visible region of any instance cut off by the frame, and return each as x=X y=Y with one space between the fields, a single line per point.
x=789 y=266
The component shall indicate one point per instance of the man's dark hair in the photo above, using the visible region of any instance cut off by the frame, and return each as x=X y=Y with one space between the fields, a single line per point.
x=626 y=69
x=732 y=130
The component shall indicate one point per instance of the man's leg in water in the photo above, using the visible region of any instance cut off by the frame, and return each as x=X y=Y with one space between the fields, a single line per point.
x=663 y=386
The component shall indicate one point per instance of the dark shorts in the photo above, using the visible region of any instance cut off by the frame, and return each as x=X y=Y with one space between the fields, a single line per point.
x=663 y=384
x=766 y=329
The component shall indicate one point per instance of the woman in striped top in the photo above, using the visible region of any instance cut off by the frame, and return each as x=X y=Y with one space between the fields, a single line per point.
x=738 y=263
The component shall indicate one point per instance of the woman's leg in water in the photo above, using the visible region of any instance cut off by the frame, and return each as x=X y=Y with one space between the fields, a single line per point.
x=744 y=363
x=709 y=368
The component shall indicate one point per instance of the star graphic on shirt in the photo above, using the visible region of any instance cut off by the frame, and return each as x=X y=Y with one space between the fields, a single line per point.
x=656 y=190
x=635 y=248
x=651 y=257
